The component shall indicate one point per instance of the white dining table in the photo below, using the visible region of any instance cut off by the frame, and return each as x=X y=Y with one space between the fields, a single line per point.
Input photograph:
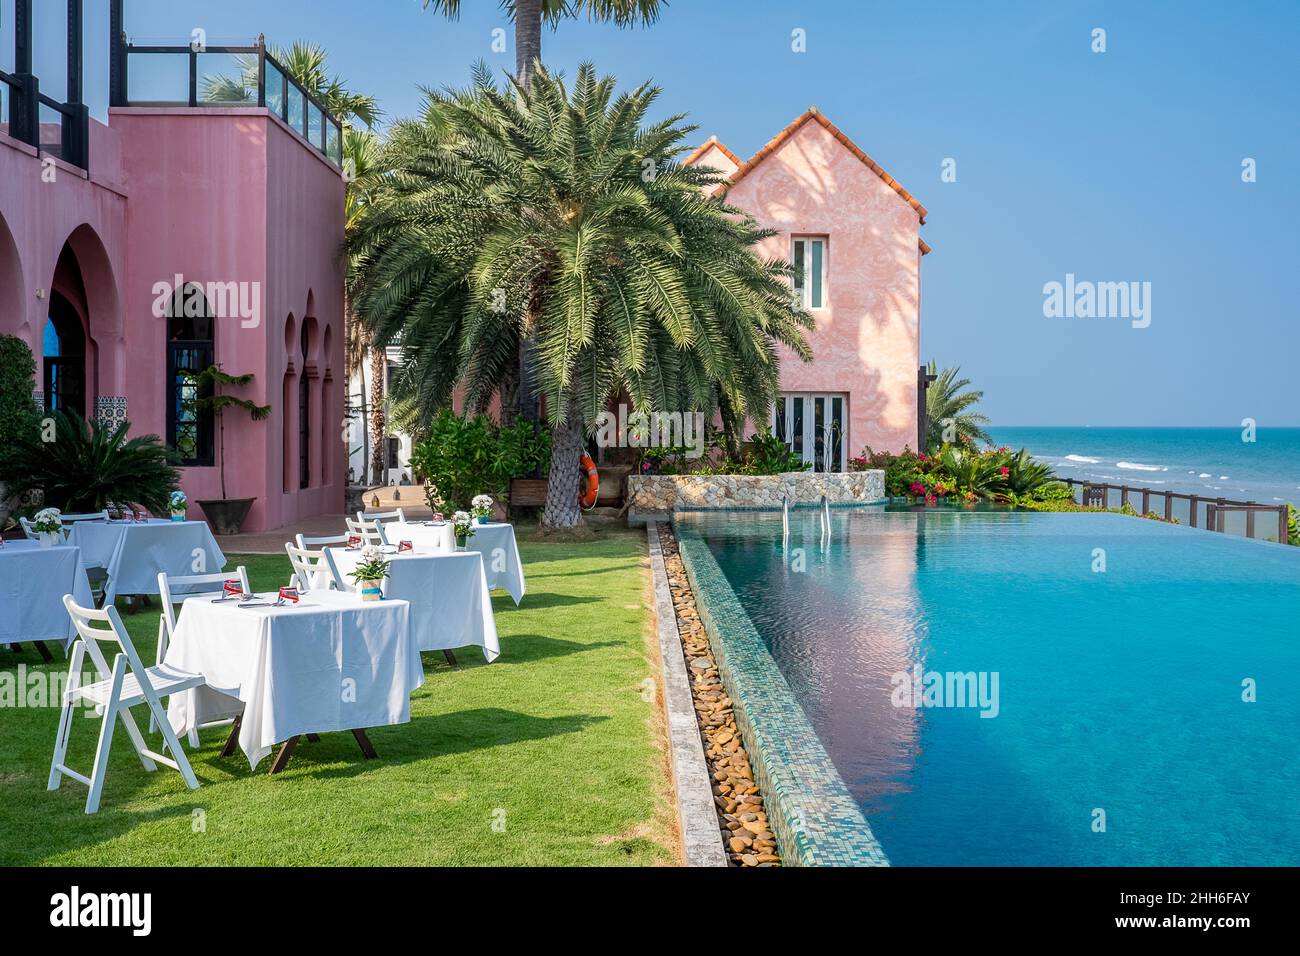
x=134 y=552
x=33 y=580
x=448 y=592
x=332 y=662
x=494 y=540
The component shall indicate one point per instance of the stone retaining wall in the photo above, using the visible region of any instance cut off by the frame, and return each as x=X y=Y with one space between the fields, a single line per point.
x=660 y=494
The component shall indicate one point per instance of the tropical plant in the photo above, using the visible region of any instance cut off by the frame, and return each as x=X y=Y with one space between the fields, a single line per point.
x=305 y=64
x=89 y=464
x=1024 y=475
x=767 y=454
x=463 y=456
x=973 y=474
x=19 y=416
x=208 y=385
x=540 y=211
x=947 y=411
x=1292 y=525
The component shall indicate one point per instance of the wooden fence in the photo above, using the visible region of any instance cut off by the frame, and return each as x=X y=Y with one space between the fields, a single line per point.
x=1199 y=511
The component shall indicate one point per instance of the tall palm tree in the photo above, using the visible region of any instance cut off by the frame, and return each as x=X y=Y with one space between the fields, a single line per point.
x=306 y=64
x=528 y=16
x=946 y=410
x=560 y=214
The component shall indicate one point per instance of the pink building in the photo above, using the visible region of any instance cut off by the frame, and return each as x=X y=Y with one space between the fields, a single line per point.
x=194 y=228
x=855 y=232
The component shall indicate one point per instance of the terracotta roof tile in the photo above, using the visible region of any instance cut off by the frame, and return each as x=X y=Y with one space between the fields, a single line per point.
x=708 y=144
x=812 y=114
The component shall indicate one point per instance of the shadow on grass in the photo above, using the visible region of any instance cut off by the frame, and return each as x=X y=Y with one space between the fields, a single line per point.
x=539 y=648
x=534 y=600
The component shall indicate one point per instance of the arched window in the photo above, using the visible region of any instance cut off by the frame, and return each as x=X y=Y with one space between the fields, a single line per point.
x=190 y=350
x=64 y=353
x=304 y=415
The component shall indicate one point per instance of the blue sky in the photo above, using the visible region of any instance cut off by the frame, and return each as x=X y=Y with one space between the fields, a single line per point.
x=1115 y=166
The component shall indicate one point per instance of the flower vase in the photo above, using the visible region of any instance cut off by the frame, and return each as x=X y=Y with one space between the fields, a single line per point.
x=482 y=519
x=371 y=589
x=48 y=538
x=178 y=515
x=460 y=541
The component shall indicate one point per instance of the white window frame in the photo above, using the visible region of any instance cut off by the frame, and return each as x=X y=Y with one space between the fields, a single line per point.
x=803 y=293
x=808 y=439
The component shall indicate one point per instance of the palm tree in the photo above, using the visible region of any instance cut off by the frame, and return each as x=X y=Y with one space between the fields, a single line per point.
x=528 y=16
x=540 y=211
x=946 y=410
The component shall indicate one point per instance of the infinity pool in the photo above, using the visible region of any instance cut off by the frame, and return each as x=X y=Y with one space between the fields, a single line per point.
x=1116 y=732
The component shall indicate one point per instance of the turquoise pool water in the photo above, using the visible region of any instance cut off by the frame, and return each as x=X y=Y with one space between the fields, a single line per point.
x=1119 y=693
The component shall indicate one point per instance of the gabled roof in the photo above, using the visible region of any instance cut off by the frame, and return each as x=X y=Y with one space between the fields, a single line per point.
x=813 y=115
x=711 y=143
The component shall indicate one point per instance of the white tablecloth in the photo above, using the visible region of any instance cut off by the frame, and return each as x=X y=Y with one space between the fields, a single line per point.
x=494 y=540
x=33 y=581
x=134 y=553
x=332 y=663
x=448 y=594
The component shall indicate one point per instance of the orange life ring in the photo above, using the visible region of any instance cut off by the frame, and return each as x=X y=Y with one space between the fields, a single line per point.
x=588 y=498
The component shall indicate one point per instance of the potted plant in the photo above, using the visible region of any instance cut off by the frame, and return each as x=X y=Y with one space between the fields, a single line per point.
x=177 y=503
x=481 y=508
x=226 y=515
x=370 y=573
x=49 y=525
x=463 y=527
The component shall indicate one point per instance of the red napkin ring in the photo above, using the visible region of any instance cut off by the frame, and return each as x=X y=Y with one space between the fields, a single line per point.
x=289 y=594
x=404 y=546
x=437 y=516
x=354 y=542
x=232 y=586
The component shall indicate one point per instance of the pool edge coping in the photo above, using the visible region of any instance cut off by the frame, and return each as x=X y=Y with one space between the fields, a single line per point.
x=697 y=818
x=816 y=820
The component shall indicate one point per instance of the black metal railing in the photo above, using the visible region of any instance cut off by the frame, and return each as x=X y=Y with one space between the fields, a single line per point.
x=1195 y=511
x=60 y=129
x=224 y=76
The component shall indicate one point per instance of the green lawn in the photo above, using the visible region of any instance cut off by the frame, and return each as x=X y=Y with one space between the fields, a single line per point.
x=550 y=756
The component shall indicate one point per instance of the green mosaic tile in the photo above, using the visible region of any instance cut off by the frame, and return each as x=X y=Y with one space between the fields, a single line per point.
x=815 y=819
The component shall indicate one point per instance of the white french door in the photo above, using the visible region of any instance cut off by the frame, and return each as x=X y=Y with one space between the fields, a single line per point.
x=813 y=425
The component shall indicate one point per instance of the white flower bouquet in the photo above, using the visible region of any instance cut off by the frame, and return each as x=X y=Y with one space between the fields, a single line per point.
x=481 y=508
x=462 y=526
x=48 y=521
x=370 y=573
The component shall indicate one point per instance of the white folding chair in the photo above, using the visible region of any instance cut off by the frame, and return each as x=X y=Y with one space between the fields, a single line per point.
x=127 y=684
x=173 y=590
x=397 y=514
x=311 y=567
x=372 y=532
x=28 y=529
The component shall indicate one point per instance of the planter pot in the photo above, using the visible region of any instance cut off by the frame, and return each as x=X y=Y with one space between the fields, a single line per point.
x=482 y=520
x=460 y=541
x=371 y=589
x=178 y=515
x=49 y=538
x=226 y=515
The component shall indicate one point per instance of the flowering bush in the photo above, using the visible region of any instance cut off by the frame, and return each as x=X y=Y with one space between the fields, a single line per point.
x=961 y=472
x=48 y=521
x=371 y=567
x=481 y=506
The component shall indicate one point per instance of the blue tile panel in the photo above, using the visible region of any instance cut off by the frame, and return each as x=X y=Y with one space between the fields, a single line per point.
x=815 y=819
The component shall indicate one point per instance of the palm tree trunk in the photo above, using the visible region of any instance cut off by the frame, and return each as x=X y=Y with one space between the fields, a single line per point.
x=378 y=365
x=567 y=440
x=528 y=37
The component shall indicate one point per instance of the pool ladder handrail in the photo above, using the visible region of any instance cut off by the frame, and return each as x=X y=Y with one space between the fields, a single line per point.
x=785 y=517
x=826 y=518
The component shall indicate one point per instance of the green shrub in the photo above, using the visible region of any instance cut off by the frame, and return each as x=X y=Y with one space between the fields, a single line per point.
x=1292 y=525
x=19 y=416
x=89 y=464
x=463 y=456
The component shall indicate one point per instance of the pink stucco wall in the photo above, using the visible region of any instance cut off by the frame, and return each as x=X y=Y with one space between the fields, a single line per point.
x=214 y=195
x=867 y=337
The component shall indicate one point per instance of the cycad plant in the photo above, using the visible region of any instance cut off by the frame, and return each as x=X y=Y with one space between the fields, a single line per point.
x=973 y=473
x=83 y=465
x=1024 y=475
x=947 y=409
x=561 y=214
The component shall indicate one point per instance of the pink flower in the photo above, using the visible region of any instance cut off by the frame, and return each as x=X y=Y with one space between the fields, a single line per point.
x=1005 y=471
x=930 y=501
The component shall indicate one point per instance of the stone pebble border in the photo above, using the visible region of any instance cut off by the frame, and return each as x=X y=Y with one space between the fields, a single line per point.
x=741 y=815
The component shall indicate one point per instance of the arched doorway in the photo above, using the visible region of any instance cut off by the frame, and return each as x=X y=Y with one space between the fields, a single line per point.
x=64 y=354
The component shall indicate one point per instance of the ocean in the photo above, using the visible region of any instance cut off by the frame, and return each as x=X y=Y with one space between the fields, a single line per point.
x=1206 y=461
